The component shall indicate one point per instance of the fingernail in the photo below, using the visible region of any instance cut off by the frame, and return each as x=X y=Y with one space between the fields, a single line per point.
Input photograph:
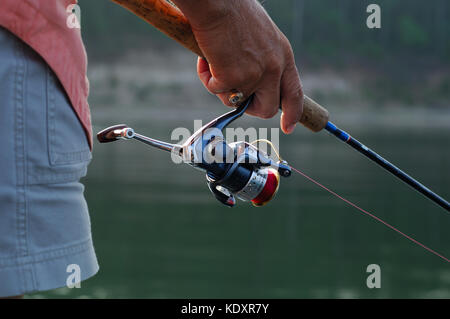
x=290 y=128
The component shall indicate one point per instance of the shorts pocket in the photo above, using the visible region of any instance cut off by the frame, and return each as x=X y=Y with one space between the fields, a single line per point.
x=50 y=143
x=67 y=142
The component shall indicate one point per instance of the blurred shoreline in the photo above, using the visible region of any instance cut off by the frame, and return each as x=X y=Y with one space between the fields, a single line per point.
x=153 y=84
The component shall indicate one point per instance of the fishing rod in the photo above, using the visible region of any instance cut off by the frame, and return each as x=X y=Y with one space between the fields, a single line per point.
x=354 y=143
x=170 y=20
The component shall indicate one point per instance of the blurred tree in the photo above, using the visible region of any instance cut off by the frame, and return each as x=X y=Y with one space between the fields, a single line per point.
x=411 y=33
x=325 y=31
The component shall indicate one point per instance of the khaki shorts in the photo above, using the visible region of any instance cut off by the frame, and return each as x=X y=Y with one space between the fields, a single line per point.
x=44 y=222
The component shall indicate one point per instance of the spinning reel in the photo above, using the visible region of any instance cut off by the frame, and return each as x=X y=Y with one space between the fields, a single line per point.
x=232 y=170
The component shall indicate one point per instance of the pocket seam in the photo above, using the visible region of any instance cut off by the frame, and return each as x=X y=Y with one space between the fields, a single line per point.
x=71 y=157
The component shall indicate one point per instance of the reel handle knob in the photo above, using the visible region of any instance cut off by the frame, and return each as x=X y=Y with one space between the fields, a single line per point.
x=109 y=134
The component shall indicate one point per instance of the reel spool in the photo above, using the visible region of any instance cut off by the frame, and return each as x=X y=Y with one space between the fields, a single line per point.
x=260 y=188
x=237 y=170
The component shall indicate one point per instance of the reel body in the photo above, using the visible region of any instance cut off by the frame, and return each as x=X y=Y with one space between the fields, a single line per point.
x=236 y=170
x=250 y=177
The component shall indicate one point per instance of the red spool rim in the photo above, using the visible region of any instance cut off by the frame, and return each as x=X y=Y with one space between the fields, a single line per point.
x=269 y=190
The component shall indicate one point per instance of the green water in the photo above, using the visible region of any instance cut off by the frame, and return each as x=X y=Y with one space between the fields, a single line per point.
x=159 y=233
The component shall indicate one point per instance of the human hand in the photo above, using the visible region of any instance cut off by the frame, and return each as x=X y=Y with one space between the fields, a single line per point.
x=246 y=52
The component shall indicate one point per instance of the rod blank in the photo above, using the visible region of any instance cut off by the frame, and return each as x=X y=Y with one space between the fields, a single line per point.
x=345 y=137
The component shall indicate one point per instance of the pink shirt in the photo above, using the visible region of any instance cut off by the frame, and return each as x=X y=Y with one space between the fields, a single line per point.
x=42 y=24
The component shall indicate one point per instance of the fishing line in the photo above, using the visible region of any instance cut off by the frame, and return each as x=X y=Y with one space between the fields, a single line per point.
x=270 y=144
x=370 y=215
x=353 y=204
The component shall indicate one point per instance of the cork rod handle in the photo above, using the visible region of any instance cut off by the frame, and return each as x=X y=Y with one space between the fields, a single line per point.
x=170 y=20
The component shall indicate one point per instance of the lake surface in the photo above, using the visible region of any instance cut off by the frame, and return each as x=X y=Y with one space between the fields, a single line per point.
x=159 y=233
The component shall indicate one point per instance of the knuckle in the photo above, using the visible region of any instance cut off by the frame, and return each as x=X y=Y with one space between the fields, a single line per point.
x=237 y=78
x=295 y=97
x=287 y=46
x=274 y=65
x=252 y=76
x=233 y=79
x=269 y=113
x=294 y=88
x=297 y=93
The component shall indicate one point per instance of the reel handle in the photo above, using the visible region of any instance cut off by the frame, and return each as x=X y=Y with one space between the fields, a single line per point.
x=170 y=20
